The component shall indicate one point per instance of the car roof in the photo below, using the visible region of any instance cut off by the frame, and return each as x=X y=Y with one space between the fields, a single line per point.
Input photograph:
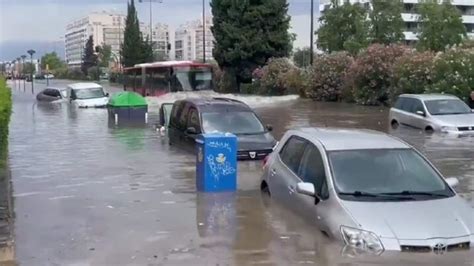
x=337 y=139
x=84 y=85
x=55 y=88
x=212 y=104
x=427 y=97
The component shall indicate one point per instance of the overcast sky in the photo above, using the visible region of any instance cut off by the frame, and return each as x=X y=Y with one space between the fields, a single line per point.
x=45 y=20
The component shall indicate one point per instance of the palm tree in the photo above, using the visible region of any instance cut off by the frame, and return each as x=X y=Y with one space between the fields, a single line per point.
x=31 y=52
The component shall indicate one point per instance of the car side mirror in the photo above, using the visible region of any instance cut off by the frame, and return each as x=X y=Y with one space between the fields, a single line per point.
x=191 y=131
x=106 y=94
x=269 y=127
x=452 y=181
x=305 y=189
x=420 y=113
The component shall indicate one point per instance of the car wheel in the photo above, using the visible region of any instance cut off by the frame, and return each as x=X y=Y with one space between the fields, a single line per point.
x=429 y=130
x=394 y=124
x=265 y=189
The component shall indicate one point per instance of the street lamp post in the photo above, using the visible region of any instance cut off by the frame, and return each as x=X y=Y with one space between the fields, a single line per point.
x=312 y=34
x=151 y=17
x=203 y=31
x=31 y=52
x=23 y=57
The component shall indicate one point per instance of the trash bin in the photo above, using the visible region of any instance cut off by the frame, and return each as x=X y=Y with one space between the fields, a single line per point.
x=128 y=106
x=216 y=162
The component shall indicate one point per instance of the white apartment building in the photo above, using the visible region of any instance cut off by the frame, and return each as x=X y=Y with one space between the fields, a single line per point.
x=104 y=27
x=411 y=18
x=188 y=44
x=163 y=39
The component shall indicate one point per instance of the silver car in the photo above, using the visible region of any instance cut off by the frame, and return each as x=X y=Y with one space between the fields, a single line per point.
x=368 y=189
x=433 y=112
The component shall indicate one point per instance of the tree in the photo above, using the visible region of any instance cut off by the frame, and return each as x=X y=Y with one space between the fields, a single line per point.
x=89 y=58
x=51 y=60
x=343 y=28
x=301 y=57
x=104 y=55
x=134 y=49
x=387 y=23
x=247 y=34
x=441 y=26
x=147 y=51
x=28 y=68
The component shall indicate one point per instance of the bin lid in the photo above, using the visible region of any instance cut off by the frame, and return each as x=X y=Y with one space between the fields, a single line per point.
x=127 y=99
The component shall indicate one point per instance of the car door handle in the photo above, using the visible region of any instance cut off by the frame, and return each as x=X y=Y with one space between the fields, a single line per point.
x=273 y=172
x=291 y=189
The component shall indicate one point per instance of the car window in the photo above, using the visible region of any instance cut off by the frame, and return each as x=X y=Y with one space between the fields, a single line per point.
x=417 y=106
x=399 y=103
x=176 y=114
x=292 y=153
x=193 y=120
x=312 y=170
x=406 y=104
x=183 y=117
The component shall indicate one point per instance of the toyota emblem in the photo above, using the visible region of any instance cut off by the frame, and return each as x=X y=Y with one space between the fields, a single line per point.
x=440 y=248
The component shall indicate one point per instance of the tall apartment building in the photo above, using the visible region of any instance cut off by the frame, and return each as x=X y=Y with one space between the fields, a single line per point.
x=163 y=39
x=411 y=18
x=188 y=42
x=104 y=27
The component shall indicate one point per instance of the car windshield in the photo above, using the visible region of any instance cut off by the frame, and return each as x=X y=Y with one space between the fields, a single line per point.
x=233 y=122
x=447 y=107
x=385 y=172
x=89 y=93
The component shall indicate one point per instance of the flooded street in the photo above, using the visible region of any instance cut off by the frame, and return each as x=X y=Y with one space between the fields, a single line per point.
x=88 y=193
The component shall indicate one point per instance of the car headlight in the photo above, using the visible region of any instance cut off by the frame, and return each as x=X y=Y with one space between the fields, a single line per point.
x=448 y=128
x=361 y=239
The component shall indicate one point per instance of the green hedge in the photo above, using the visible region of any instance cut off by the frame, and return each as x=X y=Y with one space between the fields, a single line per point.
x=5 y=111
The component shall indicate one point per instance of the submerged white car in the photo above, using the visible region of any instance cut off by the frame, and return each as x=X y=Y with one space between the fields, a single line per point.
x=369 y=190
x=85 y=95
x=433 y=112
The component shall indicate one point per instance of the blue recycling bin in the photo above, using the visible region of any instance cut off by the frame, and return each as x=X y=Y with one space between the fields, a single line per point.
x=216 y=162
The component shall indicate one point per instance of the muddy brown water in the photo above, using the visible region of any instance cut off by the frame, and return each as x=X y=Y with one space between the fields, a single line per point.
x=86 y=193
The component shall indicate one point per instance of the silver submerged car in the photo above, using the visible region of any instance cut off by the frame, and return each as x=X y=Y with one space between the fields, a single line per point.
x=370 y=190
x=433 y=112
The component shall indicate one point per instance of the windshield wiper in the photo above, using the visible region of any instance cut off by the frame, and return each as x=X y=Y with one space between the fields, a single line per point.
x=416 y=193
x=374 y=195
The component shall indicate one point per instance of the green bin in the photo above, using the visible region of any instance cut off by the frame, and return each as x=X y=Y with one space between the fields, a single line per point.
x=128 y=106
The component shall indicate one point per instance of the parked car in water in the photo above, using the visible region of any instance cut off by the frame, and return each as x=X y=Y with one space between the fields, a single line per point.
x=433 y=112
x=52 y=95
x=207 y=115
x=87 y=94
x=369 y=190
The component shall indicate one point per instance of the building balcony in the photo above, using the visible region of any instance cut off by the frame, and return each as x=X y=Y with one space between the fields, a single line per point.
x=468 y=19
x=408 y=17
x=410 y=36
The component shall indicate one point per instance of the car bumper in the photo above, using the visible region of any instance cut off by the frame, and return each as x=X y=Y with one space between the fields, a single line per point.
x=253 y=154
x=92 y=106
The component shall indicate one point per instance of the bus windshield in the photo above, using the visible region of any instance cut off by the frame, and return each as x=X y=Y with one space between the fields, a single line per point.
x=192 y=79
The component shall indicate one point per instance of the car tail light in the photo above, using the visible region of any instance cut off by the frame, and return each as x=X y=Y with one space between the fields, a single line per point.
x=265 y=161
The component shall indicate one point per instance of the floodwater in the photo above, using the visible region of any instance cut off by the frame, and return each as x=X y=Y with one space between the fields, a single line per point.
x=87 y=193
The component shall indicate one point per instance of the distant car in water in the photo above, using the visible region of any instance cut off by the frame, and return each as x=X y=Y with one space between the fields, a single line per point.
x=191 y=117
x=87 y=94
x=52 y=95
x=433 y=112
x=369 y=190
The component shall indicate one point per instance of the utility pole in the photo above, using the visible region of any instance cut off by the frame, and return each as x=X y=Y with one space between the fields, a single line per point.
x=203 y=31
x=312 y=34
x=151 y=17
x=31 y=52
